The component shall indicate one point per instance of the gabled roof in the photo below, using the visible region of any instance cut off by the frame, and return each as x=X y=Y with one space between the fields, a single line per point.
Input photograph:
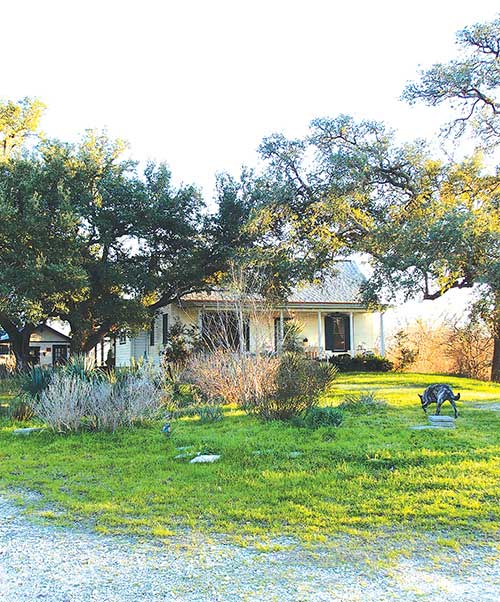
x=4 y=337
x=341 y=286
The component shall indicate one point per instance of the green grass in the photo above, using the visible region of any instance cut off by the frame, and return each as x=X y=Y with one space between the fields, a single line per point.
x=372 y=475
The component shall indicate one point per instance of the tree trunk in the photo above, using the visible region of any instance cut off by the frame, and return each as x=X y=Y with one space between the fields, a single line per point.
x=495 y=364
x=19 y=340
x=84 y=339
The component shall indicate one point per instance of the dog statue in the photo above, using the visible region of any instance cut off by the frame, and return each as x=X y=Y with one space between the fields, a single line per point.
x=438 y=394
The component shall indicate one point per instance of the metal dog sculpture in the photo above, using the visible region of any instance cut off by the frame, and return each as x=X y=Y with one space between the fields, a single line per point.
x=438 y=394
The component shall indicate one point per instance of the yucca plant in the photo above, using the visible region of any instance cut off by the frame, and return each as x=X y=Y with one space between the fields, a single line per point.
x=35 y=381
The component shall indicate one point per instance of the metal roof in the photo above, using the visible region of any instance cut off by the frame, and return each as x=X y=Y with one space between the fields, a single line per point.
x=341 y=286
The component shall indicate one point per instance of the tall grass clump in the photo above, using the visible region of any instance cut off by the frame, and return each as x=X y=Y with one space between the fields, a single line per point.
x=366 y=402
x=78 y=396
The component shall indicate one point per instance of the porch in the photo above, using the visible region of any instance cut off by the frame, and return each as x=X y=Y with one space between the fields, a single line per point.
x=321 y=332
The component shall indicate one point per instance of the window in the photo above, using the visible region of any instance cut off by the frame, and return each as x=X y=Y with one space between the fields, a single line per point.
x=286 y=330
x=152 y=333
x=4 y=350
x=221 y=330
x=164 y=332
x=122 y=338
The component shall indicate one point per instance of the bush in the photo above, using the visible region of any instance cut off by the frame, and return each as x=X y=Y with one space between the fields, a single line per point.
x=182 y=342
x=298 y=384
x=62 y=405
x=366 y=402
x=232 y=378
x=21 y=408
x=74 y=399
x=272 y=387
x=317 y=417
x=35 y=381
x=361 y=363
x=209 y=413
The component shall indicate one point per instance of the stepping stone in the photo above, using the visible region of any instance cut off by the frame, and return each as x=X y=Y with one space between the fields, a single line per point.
x=295 y=454
x=205 y=459
x=27 y=431
x=442 y=421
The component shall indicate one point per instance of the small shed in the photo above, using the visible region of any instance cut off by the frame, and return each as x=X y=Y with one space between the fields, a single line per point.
x=48 y=347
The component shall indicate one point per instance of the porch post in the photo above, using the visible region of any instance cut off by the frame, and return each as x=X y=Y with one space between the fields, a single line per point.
x=282 y=331
x=200 y=322
x=351 y=334
x=320 y=336
x=382 y=338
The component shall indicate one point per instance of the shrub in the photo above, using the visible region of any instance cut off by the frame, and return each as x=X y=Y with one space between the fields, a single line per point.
x=361 y=363
x=366 y=402
x=209 y=413
x=73 y=400
x=62 y=405
x=317 y=417
x=298 y=384
x=272 y=387
x=232 y=378
x=21 y=408
x=182 y=342
x=35 y=381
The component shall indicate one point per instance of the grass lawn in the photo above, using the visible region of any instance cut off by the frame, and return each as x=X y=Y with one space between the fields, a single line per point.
x=372 y=475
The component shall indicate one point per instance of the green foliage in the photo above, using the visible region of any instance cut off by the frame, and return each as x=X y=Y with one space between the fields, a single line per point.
x=299 y=384
x=469 y=85
x=366 y=402
x=404 y=353
x=18 y=120
x=361 y=363
x=209 y=413
x=292 y=341
x=21 y=408
x=320 y=416
x=182 y=341
x=35 y=381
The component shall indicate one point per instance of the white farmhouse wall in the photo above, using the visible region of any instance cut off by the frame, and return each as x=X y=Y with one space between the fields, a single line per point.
x=365 y=332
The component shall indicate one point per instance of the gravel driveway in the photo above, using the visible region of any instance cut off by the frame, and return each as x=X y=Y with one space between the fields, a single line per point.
x=42 y=562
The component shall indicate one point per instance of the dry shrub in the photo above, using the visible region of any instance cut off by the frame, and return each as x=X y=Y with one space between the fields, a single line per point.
x=232 y=378
x=71 y=402
x=453 y=346
x=272 y=387
x=63 y=403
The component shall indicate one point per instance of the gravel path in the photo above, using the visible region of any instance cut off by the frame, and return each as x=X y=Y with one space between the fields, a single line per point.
x=43 y=562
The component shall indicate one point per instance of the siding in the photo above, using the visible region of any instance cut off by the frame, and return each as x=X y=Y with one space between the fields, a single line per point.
x=365 y=332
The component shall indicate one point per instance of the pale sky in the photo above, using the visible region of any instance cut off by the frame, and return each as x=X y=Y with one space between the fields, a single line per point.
x=199 y=83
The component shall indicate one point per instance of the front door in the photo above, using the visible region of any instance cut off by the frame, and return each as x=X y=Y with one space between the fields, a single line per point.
x=59 y=354
x=337 y=333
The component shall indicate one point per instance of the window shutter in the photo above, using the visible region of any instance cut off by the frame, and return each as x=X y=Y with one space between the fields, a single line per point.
x=165 y=329
x=152 y=333
x=328 y=333
x=347 y=330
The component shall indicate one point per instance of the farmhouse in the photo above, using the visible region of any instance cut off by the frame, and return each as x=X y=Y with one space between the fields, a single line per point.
x=329 y=318
x=48 y=347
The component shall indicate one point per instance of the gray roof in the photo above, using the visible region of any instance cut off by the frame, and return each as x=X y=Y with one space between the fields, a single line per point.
x=4 y=337
x=342 y=285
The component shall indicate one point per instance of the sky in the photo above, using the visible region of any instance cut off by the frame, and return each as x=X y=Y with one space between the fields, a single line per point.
x=199 y=83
